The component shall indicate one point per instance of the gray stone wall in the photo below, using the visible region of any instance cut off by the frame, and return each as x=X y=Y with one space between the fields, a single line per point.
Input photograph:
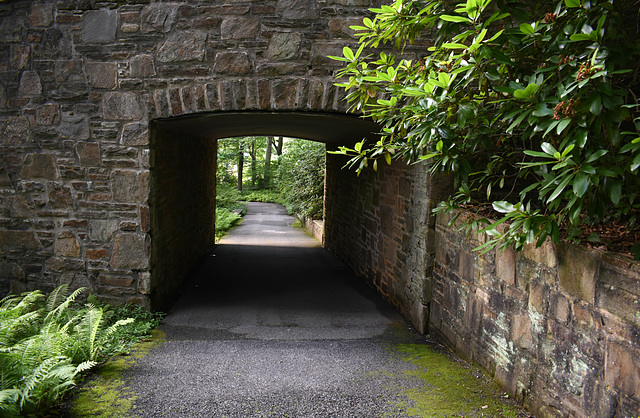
x=80 y=83
x=558 y=326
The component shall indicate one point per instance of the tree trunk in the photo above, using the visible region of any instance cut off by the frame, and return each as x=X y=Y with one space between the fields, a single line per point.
x=253 y=162
x=267 y=162
x=240 y=167
x=279 y=146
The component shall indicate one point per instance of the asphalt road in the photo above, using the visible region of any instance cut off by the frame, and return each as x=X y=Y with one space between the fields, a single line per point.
x=273 y=325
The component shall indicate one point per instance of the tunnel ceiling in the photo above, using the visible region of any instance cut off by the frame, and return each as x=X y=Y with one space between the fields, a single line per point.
x=335 y=129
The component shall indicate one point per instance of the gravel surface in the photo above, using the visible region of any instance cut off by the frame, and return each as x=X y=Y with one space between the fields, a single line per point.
x=273 y=325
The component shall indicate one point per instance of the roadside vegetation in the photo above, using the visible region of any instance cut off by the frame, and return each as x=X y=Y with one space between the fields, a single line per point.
x=530 y=108
x=268 y=169
x=49 y=343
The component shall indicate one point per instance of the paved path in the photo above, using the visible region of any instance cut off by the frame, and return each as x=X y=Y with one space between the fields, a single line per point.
x=273 y=325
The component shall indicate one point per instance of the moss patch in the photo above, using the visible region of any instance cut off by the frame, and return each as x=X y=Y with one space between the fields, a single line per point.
x=106 y=395
x=451 y=389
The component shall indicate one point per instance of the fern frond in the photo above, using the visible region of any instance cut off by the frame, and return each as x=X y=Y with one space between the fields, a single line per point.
x=56 y=307
x=115 y=326
x=9 y=402
x=56 y=297
x=86 y=365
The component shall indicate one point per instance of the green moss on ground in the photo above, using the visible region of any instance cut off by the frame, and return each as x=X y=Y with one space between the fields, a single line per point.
x=451 y=389
x=106 y=395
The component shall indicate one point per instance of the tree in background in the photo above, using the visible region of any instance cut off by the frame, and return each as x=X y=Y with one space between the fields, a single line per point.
x=530 y=106
x=301 y=177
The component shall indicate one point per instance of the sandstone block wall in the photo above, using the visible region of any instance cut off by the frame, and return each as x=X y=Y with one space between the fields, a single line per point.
x=380 y=224
x=558 y=326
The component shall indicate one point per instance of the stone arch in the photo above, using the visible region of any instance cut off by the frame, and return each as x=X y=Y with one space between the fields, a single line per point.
x=80 y=86
x=183 y=179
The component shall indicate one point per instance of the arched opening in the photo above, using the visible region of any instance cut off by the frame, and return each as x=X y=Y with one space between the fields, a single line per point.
x=183 y=179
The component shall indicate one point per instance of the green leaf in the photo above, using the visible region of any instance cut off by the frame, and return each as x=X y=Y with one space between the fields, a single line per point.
x=580 y=184
x=542 y=110
x=348 y=53
x=562 y=125
x=503 y=206
x=548 y=148
x=453 y=45
x=450 y=18
x=558 y=191
x=614 y=189
x=527 y=29
x=596 y=155
x=572 y=3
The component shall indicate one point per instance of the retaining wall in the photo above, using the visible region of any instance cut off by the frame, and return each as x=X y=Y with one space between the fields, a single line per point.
x=558 y=326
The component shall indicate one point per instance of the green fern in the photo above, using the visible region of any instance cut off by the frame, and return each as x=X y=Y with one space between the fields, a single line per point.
x=45 y=343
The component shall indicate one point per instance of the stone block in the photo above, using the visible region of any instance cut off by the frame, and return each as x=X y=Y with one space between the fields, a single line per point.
x=74 y=126
x=110 y=280
x=142 y=66
x=578 y=270
x=102 y=230
x=134 y=134
x=88 y=153
x=130 y=186
x=66 y=245
x=233 y=63
x=506 y=266
x=101 y=75
x=39 y=166
x=298 y=9
x=19 y=207
x=130 y=251
x=545 y=254
x=466 y=266
x=284 y=46
x=239 y=28
x=183 y=46
x=521 y=331
x=96 y=253
x=622 y=370
x=30 y=84
x=99 y=26
x=121 y=106
x=20 y=57
x=18 y=240
x=48 y=114
x=158 y=17
x=41 y=15
x=144 y=283
x=59 y=196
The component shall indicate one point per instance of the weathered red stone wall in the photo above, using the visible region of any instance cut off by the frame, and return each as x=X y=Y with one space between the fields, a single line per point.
x=381 y=225
x=558 y=326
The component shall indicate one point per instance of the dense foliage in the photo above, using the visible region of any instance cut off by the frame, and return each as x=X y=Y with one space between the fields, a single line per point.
x=47 y=342
x=531 y=107
x=301 y=177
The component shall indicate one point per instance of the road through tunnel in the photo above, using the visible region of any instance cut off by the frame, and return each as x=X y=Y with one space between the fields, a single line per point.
x=183 y=179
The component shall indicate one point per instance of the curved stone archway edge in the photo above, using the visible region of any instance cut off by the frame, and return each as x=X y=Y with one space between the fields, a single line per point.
x=331 y=128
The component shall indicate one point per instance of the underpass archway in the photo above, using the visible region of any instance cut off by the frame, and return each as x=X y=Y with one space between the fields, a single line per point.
x=183 y=152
